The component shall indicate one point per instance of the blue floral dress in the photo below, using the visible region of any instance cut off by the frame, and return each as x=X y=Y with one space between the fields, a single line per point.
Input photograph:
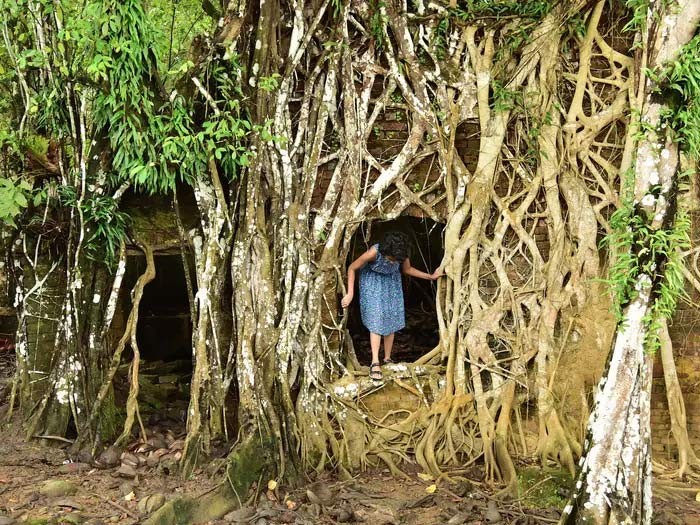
x=381 y=296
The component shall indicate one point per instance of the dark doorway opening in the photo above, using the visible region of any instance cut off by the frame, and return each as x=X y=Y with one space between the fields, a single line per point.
x=421 y=333
x=164 y=336
x=164 y=330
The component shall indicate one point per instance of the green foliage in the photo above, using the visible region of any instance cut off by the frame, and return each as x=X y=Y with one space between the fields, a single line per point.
x=154 y=141
x=270 y=83
x=528 y=10
x=177 y=22
x=15 y=195
x=576 y=25
x=639 y=11
x=378 y=22
x=641 y=249
x=439 y=38
x=671 y=286
x=681 y=82
x=504 y=99
x=541 y=489
x=337 y=6
x=105 y=224
x=638 y=18
x=113 y=56
x=126 y=62
x=224 y=135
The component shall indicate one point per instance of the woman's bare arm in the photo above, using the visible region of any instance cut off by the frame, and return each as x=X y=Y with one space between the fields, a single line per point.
x=407 y=269
x=369 y=256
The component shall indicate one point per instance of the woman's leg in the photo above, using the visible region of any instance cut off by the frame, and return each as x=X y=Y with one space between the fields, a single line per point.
x=375 y=370
x=375 y=341
x=388 y=345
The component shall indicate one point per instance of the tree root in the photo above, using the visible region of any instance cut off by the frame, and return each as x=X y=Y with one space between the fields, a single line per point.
x=132 y=404
x=248 y=462
x=676 y=406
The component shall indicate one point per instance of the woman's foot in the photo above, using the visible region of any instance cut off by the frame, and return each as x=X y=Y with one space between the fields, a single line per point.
x=388 y=361
x=375 y=371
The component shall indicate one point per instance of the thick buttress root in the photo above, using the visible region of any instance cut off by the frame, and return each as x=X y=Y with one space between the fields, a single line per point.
x=248 y=461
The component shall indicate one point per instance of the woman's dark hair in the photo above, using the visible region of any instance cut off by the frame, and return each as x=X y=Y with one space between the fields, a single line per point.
x=396 y=245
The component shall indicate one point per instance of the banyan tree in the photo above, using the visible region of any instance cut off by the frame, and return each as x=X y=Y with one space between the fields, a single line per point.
x=549 y=146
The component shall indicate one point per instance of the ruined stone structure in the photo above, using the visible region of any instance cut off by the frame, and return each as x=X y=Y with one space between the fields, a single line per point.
x=156 y=223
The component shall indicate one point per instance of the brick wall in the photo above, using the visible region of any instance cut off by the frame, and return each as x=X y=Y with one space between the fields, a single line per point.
x=685 y=334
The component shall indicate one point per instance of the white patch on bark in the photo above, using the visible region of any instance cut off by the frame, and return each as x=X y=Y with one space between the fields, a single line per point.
x=648 y=200
x=608 y=435
x=21 y=349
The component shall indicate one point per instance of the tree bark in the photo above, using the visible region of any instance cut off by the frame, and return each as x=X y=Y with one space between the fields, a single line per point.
x=614 y=483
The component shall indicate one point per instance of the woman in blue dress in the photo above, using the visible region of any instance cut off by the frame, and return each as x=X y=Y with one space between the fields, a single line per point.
x=381 y=293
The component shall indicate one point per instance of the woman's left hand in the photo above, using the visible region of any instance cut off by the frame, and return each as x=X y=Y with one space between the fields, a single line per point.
x=437 y=274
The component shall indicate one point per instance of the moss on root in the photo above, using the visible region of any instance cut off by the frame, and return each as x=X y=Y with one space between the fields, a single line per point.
x=111 y=418
x=546 y=488
x=246 y=463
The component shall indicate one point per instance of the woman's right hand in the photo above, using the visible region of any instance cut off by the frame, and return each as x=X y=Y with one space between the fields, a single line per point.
x=345 y=302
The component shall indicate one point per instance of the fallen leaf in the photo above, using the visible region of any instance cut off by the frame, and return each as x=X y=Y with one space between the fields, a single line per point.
x=130 y=496
x=431 y=489
x=425 y=477
x=272 y=484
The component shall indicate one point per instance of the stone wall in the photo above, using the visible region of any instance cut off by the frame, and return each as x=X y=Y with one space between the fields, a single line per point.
x=685 y=334
x=155 y=222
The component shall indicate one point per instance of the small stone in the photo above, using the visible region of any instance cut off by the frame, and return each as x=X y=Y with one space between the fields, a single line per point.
x=492 y=515
x=109 y=457
x=73 y=518
x=126 y=487
x=130 y=459
x=151 y=503
x=73 y=468
x=126 y=471
x=381 y=516
x=178 y=444
x=462 y=488
x=157 y=442
x=84 y=456
x=320 y=494
x=66 y=502
x=168 y=466
x=32 y=497
x=57 y=488
x=344 y=515
x=457 y=519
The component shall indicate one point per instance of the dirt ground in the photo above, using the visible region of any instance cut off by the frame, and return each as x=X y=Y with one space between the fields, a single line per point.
x=41 y=485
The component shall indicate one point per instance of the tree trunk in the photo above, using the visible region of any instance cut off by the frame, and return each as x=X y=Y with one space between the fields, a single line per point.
x=614 y=483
